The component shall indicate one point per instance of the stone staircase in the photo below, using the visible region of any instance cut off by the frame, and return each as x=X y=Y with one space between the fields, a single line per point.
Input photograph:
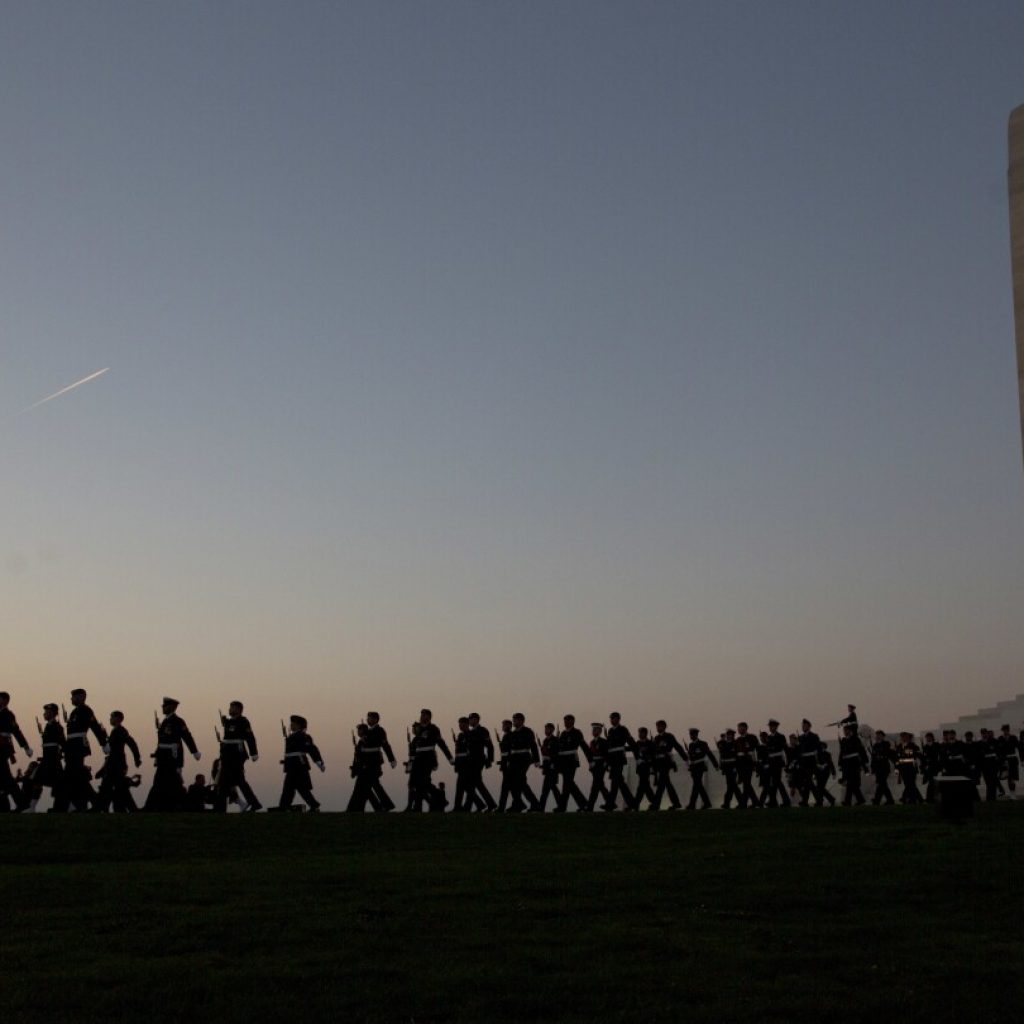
x=1009 y=712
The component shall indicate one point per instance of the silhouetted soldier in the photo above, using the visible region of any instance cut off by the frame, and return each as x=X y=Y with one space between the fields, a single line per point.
x=665 y=745
x=620 y=742
x=78 y=789
x=825 y=769
x=954 y=755
x=571 y=744
x=774 y=744
x=522 y=753
x=299 y=750
x=424 y=761
x=411 y=735
x=808 y=745
x=378 y=748
x=1009 y=753
x=908 y=755
x=481 y=757
x=881 y=767
x=549 y=767
x=504 y=750
x=168 y=790
x=438 y=799
x=851 y=717
x=9 y=735
x=598 y=764
x=727 y=757
x=644 y=767
x=115 y=787
x=237 y=746
x=51 y=765
x=931 y=765
x=698 y=753
x=989 y=758
x=853 y=760
x=745 y=744
x=465 y=790
x=365 y=770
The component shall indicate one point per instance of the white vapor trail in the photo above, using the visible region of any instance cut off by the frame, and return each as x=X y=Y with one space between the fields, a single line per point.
x=70 y=387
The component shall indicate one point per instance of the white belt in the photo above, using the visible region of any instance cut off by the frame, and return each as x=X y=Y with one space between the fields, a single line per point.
x=76 y=735
x=846 y=757
x=7 y=735
x=616 y=750
x=371 y=750
x=239 y=743
x=296 y=753
x=457 y=756
x=567 y=753
x=424 y=750
x=168 y=746
x=51 y=744
x=696 y=760
x=812 y=754
x=778 y=753
x=521 y=750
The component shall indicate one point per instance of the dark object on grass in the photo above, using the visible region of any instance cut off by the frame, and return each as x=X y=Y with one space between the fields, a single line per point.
x=956 y=796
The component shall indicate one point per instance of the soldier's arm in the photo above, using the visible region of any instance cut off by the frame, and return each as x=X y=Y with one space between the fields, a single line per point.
x=250 y=742
x=714 y=760
x=18 y=734
x=186 y=738
x=385 y=746
x=314 y=752
x=534 y=751
x=488 y=750
x=676 y=745
x=134 y=748
x=631 y=744
x=585 y=748
x=98 y=731
x=444 y=746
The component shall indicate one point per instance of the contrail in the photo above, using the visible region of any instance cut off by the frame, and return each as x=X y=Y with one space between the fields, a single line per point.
x=70 y=387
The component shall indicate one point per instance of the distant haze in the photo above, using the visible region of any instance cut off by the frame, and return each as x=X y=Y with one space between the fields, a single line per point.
x=646 y=357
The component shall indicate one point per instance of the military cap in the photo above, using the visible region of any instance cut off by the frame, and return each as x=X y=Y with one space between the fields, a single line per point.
x=694 y=732
x=615 y=714
x=597 y=725
x=169 y=700
x=773 y=721
x=78 y=692
x=299 y=721
x=730 y=732
x=117 y=714
x=50 y=707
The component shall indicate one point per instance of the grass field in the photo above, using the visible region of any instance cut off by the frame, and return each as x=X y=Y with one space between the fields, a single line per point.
x=757 y=916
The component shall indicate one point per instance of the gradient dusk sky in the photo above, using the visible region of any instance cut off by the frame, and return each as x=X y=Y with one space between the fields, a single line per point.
x=548 y=356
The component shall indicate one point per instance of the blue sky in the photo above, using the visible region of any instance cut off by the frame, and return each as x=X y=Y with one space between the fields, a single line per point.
x=571 y=355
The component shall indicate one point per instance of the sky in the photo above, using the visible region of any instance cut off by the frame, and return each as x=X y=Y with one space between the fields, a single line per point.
x=562 y=357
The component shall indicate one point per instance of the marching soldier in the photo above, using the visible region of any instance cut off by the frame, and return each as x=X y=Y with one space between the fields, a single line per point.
x=168 y=790
x=504 y=750
x=481 y=757
x=665 y=744
x=825 y=769
x=424 y=761
x=549 y=766
x=571 y=744
x=78 y=790
x=9 y=735
x=523 y=752
x=908 y=756
x=954 y=755
x=376 y=749
x=881 y=767
x=51 y=764
x=237 y=746
x=727 y=755
x=644 y=767
x=365 y=770
x=411 y=735
x=808 y=743
x=598 y=764
x=299 y=750
x=745 y=744
x=931 y=765
x=853 y=760
x=698 y=753
x=115 y=787
x=619 y=743
x=465 y=796
x=1009 y=753
x=989 y=758
x=774 y=743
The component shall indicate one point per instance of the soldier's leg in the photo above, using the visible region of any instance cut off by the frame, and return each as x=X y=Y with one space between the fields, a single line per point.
x=360 y=792
x=779 y=781
x=384 y=802
x=304 y=787
x=596 y=787
x=287 y=793
x=246 y=790
x=10 y=787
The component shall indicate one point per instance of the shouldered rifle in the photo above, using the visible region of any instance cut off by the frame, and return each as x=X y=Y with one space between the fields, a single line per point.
x=156 y=721
x=353 y=738
x=216 y=732
x=284 y=731
x=39 y=726
x=64 y=712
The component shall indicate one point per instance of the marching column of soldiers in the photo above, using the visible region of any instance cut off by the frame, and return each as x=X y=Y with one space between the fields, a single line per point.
x=759 y=770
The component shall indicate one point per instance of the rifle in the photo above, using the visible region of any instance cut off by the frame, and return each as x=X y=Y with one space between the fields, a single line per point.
x=353 y=738
x=39 y=727
x=220 y=714
x=156 y=721
x=216 y=732
x=284 y=731
x=64 y=712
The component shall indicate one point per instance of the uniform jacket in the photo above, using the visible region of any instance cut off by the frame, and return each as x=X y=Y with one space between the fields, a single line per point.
x=81 y=722
x=238 y=744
